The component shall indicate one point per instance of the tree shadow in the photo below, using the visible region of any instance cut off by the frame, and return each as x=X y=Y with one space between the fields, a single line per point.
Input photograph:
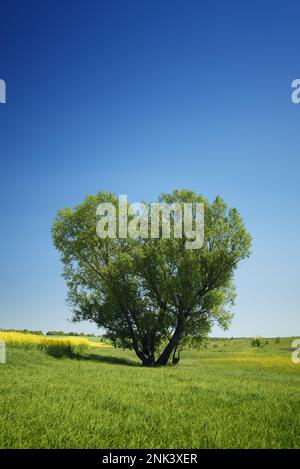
x=106 y=359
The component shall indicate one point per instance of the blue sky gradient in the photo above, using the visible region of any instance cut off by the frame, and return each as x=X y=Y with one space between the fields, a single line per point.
x=144 y=97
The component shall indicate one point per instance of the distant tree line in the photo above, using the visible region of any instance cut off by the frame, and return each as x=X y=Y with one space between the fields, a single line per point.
x=55 y=333
x=24 y=331
x=75 y=334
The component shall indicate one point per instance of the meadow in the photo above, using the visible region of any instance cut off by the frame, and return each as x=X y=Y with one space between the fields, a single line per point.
x=229 y=395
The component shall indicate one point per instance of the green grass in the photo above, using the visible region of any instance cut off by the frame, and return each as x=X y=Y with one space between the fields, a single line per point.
x=230 y=395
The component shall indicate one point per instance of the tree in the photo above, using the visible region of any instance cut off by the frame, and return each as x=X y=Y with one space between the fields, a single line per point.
x=152 y=295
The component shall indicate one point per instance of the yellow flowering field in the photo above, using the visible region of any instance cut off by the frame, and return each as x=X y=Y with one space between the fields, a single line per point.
x=265 y=361
x=57 y=346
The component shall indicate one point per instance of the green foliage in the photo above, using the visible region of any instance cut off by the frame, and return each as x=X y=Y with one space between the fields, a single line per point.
x=151 y=295
x=257 y=342
x=58 y=350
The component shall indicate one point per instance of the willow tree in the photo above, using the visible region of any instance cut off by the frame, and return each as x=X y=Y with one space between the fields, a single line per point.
x=151 y=295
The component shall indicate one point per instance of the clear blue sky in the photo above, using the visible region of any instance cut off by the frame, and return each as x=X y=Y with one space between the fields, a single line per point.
x=143 y=97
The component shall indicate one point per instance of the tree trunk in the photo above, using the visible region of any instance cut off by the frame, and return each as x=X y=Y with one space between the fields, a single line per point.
x=145 y=359
x=144 y=348
x=148 y=361
x=175 y=359
x=165 y=356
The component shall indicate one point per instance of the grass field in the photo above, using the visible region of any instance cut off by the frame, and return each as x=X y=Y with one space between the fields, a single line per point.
x=230 y=395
